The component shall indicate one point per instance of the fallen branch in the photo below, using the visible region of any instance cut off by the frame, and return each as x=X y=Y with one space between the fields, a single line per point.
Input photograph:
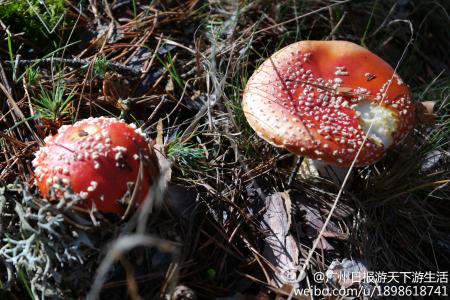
x=74 y=63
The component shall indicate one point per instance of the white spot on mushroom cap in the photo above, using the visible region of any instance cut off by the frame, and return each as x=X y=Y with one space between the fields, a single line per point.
x=92 y=186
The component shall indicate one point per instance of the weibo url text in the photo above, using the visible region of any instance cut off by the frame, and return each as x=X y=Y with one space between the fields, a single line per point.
x=375 y=291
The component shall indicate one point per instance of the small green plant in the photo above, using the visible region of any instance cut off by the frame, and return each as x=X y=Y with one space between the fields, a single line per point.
x=101 y=66
x=10 y=49
x=186 y=156
x=11 y=53
x=369 y=23
x=55 y=105
x=133 y=3
x=169 y=65
x=32 y=75
x=25 y=281
x=211 y=274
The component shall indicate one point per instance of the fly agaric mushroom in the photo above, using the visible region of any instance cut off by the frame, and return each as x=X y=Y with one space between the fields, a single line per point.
x=97 y=158
x=319 y=99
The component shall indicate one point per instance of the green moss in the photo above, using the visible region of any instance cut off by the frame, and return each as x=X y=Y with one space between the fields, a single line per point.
x=30 y=16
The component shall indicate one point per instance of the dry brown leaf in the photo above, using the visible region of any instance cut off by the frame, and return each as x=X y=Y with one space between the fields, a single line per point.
x=425 y=113
x=164 y=163
x=281 y=247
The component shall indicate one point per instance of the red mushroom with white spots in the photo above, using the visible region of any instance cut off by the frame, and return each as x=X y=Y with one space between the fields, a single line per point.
x=320 y=98
x=97 y=158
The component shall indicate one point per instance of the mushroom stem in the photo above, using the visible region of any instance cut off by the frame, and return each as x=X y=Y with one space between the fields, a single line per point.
x=334 y=173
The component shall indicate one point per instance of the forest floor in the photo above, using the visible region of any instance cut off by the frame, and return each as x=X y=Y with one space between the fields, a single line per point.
x=177 y=69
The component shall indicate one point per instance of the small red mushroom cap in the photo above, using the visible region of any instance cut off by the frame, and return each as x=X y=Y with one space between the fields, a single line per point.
x=319 y=99
x=97 y=158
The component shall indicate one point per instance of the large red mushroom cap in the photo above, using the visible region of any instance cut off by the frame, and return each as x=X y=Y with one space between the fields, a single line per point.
x=97 y=158
x=319 y=99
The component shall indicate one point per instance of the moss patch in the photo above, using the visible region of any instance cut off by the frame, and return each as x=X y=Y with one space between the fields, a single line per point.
x=30 y=16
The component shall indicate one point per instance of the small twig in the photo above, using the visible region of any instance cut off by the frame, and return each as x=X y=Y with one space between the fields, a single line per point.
x=75 y=63
x=298 y=163
x=18 y=114
x=118 y=248
x=335 y=27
